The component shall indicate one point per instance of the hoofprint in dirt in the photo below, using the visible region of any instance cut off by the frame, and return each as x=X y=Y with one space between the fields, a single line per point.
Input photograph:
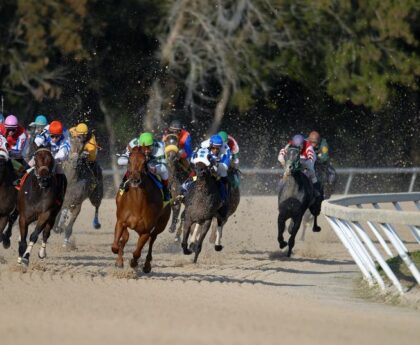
x=249 y=293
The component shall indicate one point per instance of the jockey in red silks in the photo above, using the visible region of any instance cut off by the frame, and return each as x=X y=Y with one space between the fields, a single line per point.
x=307 y=157
x=16 y=138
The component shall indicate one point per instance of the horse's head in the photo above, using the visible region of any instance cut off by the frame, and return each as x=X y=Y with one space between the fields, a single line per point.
x=292 y=160
x=201 y=162
x=44 y=166
x=136 y=166
x=171 y=147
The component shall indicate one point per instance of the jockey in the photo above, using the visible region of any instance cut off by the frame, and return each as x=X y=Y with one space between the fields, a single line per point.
x=184 y=142
x=220 y=159
x=54 y=135
x=307 y=157
x=90 y=149
x=154 y=150
x=38 y=125
x=321 y=149
x=16 y=138
x=233 y=146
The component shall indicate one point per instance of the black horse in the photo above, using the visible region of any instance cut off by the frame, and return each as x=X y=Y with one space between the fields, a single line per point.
x=83 y=183
x=177 y=175
x=39 y=199
x=8 y=195
x=296 y=195
x=202 y=202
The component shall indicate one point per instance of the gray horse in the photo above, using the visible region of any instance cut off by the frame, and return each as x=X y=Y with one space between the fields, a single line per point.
x=202 y=202
x=83 y=183
x=296 y=195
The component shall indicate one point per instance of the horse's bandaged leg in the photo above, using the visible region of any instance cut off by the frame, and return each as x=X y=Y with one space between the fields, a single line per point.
x=193 y=237
x=43 y=251
x=29 y=249
x=219 y=236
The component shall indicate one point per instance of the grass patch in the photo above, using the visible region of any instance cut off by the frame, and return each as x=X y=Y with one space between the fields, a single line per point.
x=400 y=269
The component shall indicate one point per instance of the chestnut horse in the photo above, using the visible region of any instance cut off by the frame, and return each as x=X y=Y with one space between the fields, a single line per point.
x=140 y=208
x=39 y=199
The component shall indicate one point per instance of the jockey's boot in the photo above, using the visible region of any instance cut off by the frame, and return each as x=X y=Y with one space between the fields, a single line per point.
x=165 y=190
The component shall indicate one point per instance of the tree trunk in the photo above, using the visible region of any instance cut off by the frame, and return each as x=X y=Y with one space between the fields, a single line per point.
x=153 y=117
x=219 y=112
x=112 y=141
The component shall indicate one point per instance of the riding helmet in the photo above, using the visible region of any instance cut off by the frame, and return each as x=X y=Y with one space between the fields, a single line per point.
x=56 y=128
x=175 y=125
x=146 y=139
x=298 y=140
x=82 y=128
x=223 y=135
x=216 y=140
x=11 y=121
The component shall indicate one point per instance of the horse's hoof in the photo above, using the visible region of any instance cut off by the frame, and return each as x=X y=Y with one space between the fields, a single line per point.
x=134 y=263
x=177 y=239
x=42 y=254
x=172 y=230
x=187 y=251
x=58 y=230
x=147 y=267
x=316 y=229
x=283 y=244
x=114 y=249
x=289 y=253
x=25 y=263
x=218 y=247
x=96 y=225
x=6 y=243
x=119 y=264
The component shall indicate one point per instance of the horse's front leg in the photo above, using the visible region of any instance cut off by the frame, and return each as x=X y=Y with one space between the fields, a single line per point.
x=204 y=229
x=219 y=232
x=143 y=238
x=119 y=227
x=3 y=222
x=42 y=254
x=186 y=234
x=180 y=227
x=296 y=225
x=11 y=220
x=23 y=227
x=72 y=213
x=176 y=208
x=281 y=225
x=96 y=223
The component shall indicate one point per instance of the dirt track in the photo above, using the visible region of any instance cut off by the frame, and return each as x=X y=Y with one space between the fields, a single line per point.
x=247 y=294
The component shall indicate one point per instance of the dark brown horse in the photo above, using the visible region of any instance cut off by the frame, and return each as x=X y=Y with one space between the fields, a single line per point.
x=178 y=173
x=8 y=195
x=140 y=208
x=40 y=198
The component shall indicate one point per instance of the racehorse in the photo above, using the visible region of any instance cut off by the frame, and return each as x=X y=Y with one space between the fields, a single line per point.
x=202 y=203
x=140 y=208
x=82 y=184
x=222 y=217
x=177 y=175
x=326 y=175
x=40 y=198
x=296 y=195
x=8 y=195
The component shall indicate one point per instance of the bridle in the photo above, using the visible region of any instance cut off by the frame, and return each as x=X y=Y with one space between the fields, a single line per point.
x=136 y=182
x=43 y=180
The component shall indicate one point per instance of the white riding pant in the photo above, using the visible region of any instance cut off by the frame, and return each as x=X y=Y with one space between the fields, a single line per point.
x=161 y=169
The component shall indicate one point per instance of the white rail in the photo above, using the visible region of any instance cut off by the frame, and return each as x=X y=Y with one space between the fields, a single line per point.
x=348 y=214
x=351 y=172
